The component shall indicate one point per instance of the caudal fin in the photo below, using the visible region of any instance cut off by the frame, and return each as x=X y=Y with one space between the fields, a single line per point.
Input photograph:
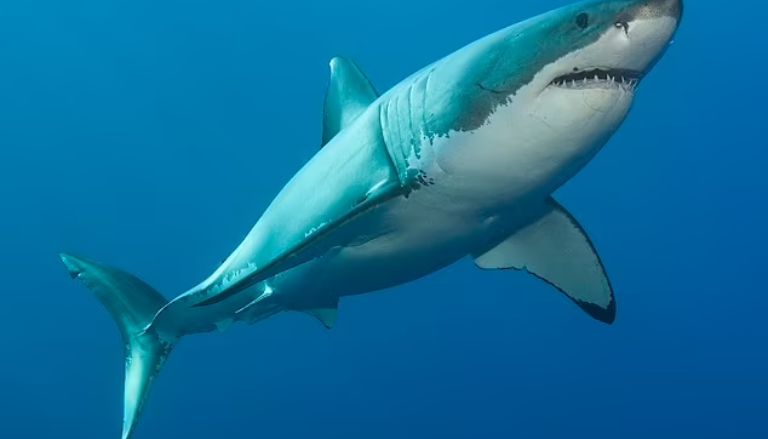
x=133 y=304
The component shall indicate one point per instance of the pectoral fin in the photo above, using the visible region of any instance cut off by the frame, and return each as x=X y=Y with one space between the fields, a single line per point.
x=326 y=316
x=556 y=249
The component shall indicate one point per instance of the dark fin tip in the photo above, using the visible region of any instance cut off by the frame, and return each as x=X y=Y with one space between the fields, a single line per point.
x=605 y=315
x=597 y=312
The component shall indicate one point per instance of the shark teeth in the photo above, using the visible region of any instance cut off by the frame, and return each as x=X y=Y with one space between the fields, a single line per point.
x=599 y=78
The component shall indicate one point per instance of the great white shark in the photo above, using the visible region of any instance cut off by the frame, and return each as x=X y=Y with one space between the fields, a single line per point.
x=460 y=159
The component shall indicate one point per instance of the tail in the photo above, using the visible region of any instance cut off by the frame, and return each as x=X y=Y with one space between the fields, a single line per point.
x=133 y=304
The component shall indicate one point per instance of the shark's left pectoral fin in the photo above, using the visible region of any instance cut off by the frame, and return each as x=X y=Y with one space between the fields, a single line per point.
x=326 y=316
x=349 y=94
x=556 y=249
x=326 y=313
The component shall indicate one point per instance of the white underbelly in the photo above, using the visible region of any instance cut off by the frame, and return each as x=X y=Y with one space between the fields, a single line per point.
x=397 y=242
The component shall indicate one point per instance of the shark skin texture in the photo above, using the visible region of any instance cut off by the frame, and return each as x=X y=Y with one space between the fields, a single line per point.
x=458 y=160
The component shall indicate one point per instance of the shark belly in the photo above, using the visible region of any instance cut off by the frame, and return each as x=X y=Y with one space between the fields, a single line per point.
x=397 y=242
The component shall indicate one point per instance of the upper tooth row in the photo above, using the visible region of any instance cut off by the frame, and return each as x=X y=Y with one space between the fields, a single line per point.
x=624 y=81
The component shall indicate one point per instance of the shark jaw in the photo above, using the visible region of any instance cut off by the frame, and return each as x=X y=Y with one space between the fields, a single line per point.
x=627 y=80
x=617 y=61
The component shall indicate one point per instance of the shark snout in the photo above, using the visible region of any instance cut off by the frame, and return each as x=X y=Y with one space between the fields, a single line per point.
x=650 y=26
x=660 y=8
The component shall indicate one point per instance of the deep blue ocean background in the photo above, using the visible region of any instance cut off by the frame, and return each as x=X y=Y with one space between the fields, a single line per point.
x=151 y=135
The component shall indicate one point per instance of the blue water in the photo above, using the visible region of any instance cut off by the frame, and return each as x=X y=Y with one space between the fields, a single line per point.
x=152 y=134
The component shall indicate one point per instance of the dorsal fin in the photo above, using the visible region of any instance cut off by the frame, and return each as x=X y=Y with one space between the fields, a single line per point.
x=349 y=94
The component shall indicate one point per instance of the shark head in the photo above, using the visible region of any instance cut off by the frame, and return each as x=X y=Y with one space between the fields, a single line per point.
x=605 y=45
x=543 y=96
x=598 y=44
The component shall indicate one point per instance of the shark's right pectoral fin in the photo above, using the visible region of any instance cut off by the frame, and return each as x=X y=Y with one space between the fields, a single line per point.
x=556 y=249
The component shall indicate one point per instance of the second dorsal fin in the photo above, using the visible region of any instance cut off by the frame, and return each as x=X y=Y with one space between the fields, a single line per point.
x=349 y=94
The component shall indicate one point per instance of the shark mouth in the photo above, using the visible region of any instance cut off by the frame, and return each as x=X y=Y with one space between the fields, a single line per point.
x=599 y=78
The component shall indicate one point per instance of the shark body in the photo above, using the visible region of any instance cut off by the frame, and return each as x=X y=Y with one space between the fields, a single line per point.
x=460 y=159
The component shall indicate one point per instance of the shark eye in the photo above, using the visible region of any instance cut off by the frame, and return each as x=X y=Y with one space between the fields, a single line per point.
x=582 y=20
x=622 y=25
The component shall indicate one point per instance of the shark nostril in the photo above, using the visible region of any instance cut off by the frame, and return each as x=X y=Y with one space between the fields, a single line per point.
x=622 y=25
